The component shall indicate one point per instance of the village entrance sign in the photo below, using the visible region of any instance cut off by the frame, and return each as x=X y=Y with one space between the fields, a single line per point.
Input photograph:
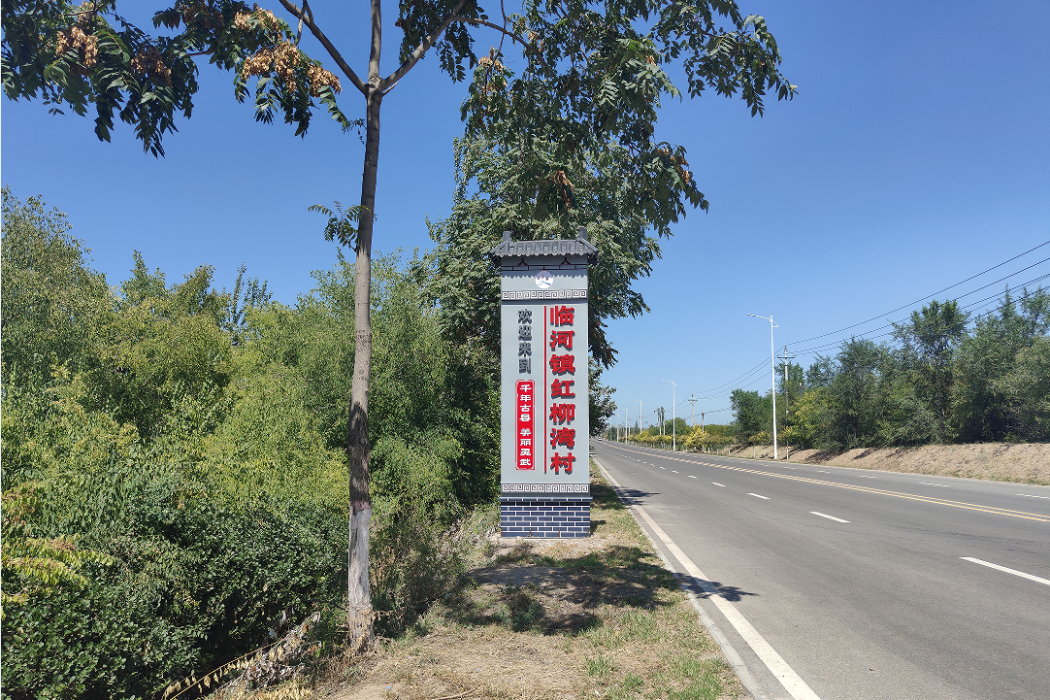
x=544 y=422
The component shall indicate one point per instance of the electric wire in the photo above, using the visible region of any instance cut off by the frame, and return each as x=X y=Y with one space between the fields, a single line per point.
x=866 y=336
x=905 y=306
x=1001 y=279
x=720 y=390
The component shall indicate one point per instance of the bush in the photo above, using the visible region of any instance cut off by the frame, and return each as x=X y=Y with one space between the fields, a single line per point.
x=174 y=481
x=188 y=584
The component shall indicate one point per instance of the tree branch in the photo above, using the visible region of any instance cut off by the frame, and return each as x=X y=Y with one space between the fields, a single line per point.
x=307 y=18
x=423 y=47
x=491 y=25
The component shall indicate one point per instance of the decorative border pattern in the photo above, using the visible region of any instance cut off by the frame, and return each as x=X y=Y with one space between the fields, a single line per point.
x=546 y=488
x=545 y=294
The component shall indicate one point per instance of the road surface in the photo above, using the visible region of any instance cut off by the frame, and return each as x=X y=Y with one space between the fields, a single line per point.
x=866 y=585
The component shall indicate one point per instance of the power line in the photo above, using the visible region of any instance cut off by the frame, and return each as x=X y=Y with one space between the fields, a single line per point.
x=866 y=336
x=720 y=390
x=899 y=308
x=761 y=365
x=1001 y=279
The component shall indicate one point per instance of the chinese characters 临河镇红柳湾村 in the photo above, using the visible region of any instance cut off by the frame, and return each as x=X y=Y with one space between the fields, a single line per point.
x=563 y=367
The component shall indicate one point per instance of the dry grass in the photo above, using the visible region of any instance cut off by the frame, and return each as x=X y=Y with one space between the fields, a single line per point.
x=549 y=620
x=1019 y=463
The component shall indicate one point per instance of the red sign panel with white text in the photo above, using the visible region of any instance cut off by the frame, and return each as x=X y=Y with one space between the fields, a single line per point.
x=526 y=395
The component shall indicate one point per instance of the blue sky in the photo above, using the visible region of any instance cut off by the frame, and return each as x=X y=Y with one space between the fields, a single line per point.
x=916 y=155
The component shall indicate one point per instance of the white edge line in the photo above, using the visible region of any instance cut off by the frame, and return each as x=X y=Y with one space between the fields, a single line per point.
x=829 y=517
x=792 y=682
x=732 y=655
x=1009 y=571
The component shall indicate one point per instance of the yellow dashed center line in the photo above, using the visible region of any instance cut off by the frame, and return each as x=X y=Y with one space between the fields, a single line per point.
x=865 y=489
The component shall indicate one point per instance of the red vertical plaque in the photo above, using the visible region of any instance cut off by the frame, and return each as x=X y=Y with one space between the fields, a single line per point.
x=525 y=391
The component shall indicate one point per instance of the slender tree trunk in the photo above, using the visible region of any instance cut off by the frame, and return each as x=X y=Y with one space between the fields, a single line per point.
x=358 y=446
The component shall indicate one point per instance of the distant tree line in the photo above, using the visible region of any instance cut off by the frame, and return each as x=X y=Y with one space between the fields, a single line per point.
x=943 y=380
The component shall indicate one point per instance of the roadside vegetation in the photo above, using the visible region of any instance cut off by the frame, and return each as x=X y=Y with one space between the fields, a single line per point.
x=174 y=474
x=597 y=617
x=946 y=379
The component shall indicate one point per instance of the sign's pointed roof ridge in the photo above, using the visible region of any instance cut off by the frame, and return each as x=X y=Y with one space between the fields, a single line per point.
x=510 y=248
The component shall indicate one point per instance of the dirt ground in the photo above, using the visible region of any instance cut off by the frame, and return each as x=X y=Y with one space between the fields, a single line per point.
x=552 y=620
x=1025 y=463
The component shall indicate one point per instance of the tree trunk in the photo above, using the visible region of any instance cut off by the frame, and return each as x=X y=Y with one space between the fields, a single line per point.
x=358 y=446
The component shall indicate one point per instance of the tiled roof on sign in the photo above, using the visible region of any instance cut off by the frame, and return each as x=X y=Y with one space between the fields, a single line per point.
x=526 y=249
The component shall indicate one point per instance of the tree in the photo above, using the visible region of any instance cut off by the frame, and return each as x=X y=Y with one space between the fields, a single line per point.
x=821 y=373
x=930 y=338
x=987 y=357
x=853 y=392
x=52 y=303
x=602 y=406
x=754 y=413
x=592 y=86
x=1026 y=393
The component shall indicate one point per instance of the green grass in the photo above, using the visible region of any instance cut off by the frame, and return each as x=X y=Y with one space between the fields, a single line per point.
x=619 y=626
x=600 y=667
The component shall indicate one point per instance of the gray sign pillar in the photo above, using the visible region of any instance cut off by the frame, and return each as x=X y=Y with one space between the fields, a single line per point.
x=544 y=475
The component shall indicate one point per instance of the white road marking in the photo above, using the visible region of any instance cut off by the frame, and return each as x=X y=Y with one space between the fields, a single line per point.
x=673 y=471
x=691 y=476
x=791 y=681
x=1028 y=495
x=663 y=467
x=929 y=483
x=829 y=517
x=718 y=484
x=765 y=498
x=1009 y=571
x=866 y=477
x=788 y=467
x=820 y=472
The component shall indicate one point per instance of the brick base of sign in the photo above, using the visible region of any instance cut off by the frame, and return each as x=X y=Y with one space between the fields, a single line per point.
x=549 y=517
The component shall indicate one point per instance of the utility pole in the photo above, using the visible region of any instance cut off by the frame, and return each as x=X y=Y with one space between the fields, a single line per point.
x=787 y=399
x=772 y=375
x=785 y=357
x=701 y=421
x=674 y=428
x=693 y=401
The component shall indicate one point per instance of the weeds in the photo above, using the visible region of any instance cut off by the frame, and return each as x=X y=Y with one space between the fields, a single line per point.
x=548 y=619
x=600 y=667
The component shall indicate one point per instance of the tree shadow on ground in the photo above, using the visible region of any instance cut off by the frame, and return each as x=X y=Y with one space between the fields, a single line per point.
x=730 y=593
x=634 y=497
x=526 y=590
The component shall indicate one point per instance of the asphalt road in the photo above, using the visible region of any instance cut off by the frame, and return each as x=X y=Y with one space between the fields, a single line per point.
x=886 y=605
